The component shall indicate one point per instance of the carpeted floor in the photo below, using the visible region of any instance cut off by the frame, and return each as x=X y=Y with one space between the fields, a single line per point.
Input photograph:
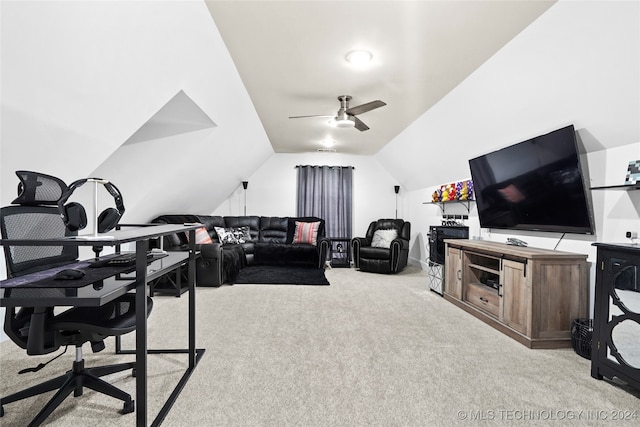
x=370 y=349
x=278 y=275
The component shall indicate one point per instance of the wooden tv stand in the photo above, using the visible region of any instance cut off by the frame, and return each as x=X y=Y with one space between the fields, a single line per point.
x=529 y=294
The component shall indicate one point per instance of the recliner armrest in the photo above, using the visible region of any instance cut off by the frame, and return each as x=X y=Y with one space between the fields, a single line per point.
x=210 y=251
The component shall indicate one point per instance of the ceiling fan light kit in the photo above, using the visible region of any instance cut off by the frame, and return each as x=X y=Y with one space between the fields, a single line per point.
x=344 y=120
x=346 y=116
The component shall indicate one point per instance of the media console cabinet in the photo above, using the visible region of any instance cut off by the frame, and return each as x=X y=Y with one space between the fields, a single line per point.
x=529 y=294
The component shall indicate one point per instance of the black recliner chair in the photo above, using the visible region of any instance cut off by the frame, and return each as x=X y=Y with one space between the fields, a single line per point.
x=39 y=330
x=382 y=252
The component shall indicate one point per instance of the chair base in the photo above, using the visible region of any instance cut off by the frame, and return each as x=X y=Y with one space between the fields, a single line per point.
x=74 y=381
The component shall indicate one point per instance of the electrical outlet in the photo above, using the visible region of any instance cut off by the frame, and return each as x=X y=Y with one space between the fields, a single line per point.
x=632 y=234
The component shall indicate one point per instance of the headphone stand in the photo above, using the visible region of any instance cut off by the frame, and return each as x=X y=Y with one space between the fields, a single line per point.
x=95 y=234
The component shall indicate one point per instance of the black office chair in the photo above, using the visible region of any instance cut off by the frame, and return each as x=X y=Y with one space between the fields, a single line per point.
x=38 y=329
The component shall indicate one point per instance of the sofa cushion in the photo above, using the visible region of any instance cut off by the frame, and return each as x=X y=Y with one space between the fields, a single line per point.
x=253 y=222
x=292 y=226
x=202 y=237
x=273 y=229
x=383 y=238
x=210 y=222
x=233 y=235
x=306 y=232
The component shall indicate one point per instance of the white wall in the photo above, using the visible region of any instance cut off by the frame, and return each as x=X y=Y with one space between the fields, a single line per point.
x=272 y=188
x=79 y=78
x=578 y=63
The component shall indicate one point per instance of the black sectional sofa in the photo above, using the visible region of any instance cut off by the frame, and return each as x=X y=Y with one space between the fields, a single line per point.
x=245 y=241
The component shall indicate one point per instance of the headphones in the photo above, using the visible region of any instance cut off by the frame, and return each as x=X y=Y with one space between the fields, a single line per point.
x=75 y=217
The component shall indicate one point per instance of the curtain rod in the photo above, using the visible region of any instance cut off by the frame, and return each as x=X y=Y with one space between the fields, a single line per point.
x=322 y=166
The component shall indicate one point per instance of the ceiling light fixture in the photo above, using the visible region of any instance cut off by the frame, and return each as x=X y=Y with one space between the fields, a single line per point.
x=328 y=142
x=359 y=58
x=344 y=120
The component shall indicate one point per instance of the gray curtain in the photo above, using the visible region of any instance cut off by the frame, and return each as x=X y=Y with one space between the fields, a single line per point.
x=326 y=192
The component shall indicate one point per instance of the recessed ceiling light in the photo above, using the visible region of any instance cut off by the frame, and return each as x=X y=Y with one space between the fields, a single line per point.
x=359 y=58
x=328 y=142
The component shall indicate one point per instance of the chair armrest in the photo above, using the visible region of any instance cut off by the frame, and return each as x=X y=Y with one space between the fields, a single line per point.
x=356 y=244
x=362 y=241
x=404 y=243
x=398 y=246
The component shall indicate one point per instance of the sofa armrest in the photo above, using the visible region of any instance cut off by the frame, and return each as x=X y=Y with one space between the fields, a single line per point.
x=210 y=251
x=209 y=267
x=324 y=243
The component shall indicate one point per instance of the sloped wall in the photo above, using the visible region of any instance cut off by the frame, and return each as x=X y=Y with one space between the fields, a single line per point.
x=80 y=78
x=578 y=63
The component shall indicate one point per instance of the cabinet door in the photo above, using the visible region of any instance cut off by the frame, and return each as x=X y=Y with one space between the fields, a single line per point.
x=453 y=272
x=516 y=297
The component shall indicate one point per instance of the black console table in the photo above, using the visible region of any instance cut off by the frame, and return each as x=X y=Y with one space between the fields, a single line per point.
x=114 y=287
x=616 y=327
x=340 y=252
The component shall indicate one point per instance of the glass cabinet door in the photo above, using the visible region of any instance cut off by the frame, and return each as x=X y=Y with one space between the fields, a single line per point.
x=622 y=334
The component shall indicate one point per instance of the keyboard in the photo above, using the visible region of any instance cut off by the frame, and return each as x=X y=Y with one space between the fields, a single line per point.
x=121 y=260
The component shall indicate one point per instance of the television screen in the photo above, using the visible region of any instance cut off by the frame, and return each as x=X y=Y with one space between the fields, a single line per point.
x=537 y=185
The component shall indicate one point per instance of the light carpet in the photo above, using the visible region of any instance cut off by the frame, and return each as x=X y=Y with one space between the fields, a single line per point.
x=370 y=349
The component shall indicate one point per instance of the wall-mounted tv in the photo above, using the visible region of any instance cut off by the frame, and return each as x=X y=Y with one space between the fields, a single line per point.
x=536 y=185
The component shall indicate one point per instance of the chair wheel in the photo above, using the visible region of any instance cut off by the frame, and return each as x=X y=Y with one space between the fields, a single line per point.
x=129 y=407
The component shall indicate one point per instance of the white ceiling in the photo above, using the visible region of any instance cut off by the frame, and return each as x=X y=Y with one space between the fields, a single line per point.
x=291 y=58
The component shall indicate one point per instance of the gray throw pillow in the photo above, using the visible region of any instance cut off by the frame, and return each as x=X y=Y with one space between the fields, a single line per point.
x=383 y=238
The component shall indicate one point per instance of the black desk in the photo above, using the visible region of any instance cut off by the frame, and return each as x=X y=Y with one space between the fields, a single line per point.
x=116 y=286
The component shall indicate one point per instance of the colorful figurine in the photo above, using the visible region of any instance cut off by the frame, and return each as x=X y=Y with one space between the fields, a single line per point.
x=452 y=191
x=464 y=191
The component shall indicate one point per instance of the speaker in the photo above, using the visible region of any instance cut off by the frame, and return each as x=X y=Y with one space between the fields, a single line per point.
x=74 y=215
x=437 y=234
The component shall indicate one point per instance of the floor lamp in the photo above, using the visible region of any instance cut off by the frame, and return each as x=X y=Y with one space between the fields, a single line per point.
x=245 y=184
x=396 y=188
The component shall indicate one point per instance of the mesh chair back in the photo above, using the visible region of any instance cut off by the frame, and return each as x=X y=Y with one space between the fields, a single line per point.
x=34 y=222
x=36 y=188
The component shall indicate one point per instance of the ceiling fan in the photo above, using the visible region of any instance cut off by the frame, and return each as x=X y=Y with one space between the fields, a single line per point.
x=346 y=116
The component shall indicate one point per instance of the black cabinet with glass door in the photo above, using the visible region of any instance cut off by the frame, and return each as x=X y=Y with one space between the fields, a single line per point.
x=616 y=326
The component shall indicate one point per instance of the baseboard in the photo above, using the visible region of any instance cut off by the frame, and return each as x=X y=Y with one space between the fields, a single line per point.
x=423 y=265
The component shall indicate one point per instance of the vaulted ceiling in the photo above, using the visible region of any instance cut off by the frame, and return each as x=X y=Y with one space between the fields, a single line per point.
x=291 y=58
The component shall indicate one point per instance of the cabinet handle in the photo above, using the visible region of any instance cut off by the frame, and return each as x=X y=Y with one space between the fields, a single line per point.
x=500 y=290
x=483 y=299
x=459 y=274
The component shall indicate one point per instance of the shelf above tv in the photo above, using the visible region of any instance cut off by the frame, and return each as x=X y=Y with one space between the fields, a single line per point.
x=442 y=204
x=625 y=187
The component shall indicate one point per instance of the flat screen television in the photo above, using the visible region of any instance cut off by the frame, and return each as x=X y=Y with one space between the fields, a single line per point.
x=535 y=185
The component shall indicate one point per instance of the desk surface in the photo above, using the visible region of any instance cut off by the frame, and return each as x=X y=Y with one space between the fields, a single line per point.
x=87 y=296
x=112 y=238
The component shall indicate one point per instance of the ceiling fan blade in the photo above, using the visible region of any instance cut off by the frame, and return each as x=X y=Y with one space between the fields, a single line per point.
x=359 y=109
x=359 y=124
x=302 y=117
